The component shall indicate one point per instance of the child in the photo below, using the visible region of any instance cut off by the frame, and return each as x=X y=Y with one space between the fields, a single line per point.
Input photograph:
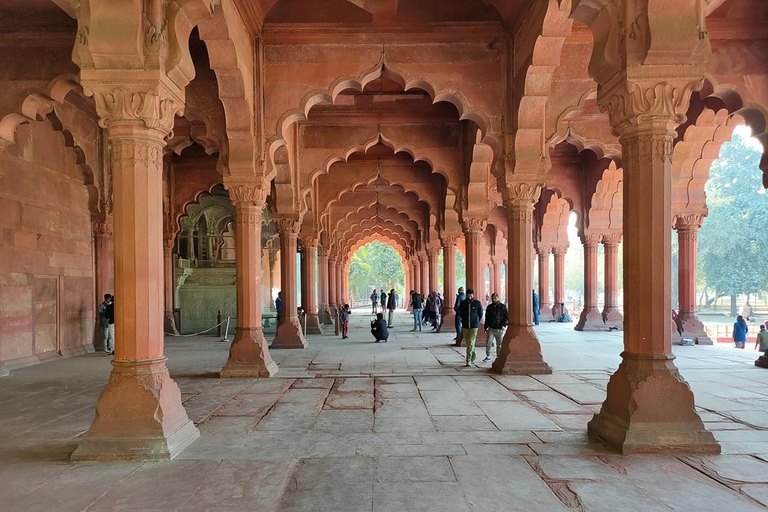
x=344 y=320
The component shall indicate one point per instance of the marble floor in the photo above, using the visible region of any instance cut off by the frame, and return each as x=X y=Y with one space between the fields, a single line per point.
x=353 y=426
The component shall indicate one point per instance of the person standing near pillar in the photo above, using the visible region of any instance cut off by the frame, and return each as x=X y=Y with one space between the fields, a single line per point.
x=374 y=301
x=417 y=305
x=471 y=312
x=535 y=308
x=496 y=321
x=107 y=341
x=391 y=306
x=460 y=297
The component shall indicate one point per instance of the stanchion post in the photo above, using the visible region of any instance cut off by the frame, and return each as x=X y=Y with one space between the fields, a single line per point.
x=218 y=324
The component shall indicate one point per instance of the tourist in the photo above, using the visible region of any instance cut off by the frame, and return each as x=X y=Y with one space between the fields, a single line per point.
x=391 y=306
x=564 y=316
x=108 y=341
x=374 y=302
x=496 y=321
x=677 y=323
x=471 y=312
x=429 y=306
x=417 y=305
x=344 y=321
x=279 y=305
x=535 y=307
x=438 y=300
x=740 y=330
x=111 y=321
x=762 y=340
x=459 y=299
x=383 y=300
x=379 y=329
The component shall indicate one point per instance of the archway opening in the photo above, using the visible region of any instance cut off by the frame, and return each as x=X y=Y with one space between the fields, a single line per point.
x=375 y=265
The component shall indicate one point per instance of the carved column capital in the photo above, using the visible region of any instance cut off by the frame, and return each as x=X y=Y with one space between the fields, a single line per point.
x=433 y=252
x=474 y=224
x=635 y=105
x=591 y=239
x=612 y=239
x=308 y=242
x=521 y=193
x=687 y=221
x=543 y=250
x=149 y=104
x=449 y=240
x=288 y=225
x=560 y=249
x=248 y=193
x=104 y=228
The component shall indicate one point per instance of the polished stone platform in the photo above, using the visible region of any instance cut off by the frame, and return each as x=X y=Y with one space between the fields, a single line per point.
x=403 y=427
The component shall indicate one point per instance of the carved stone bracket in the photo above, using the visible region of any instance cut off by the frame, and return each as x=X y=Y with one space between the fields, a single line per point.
x=288 y=225
x=474 y=224
x=104 y=229
x=254 y=194
x=449 y=240
x=688 y=221
x=591 y=238
x=612 y=238
x=560 y=249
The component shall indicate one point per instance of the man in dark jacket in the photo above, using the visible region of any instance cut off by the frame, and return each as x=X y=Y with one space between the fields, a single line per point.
x=417 y=305
x=379 y=329
x=459 y=298
x=496 y=321
x=383 y=300
x=535 y=307
x=391 y=306
x=471 y=312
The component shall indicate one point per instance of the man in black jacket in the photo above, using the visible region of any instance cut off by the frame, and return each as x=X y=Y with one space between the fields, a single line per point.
x=496 y=321
x=417 y=305
x=379 y=328
x=391 y=306
x=471 y=312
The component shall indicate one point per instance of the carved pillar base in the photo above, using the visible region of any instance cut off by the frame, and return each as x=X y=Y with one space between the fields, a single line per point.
x=613 y=319
x=325 y=315
x=591 y=320
x=313 y=324
x=249 y=356
x=762 y=362
x=694 y=329
x=520 y=353
x=545 y=313
x=289 y=335
x=139 y=416
x=649 y=409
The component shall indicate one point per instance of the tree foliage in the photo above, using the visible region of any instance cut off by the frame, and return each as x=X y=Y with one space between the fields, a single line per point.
x=733 y=241
x=375 y=265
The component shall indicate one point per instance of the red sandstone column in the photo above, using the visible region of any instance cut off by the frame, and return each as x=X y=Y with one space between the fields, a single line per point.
x=687 y=226
x=345 y=279
x=590 y=319
x=322 y=286
x=417 y=274
x=448 y=322
x=425 y=282
x=333 y=298
x=105 y=257
x=545 y=307
x=611 y=314
x=341 y=295
x=309 y=276
x=559 y=254
x=289 y=333
x=473 y=238
x=139 y=413
x=520 y=351
x=170 y=324
x=433 y=253
x=272 y=255
x=249 y=354
x=649 y=407
x=496 y=276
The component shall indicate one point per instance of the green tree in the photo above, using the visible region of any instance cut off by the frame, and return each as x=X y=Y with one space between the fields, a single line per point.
x=375 y=265
x=733 y=241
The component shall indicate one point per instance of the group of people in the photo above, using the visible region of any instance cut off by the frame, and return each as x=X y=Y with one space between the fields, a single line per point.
x=387 y=302
x=469 y=316
x=426 y=310
x=740 y=331
x=106 y=312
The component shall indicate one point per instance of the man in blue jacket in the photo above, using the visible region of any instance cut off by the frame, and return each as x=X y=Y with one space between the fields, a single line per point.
x=459 y=299
x=471 y=312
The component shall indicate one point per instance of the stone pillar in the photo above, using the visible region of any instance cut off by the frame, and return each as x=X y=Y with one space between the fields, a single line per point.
x=448 y=322
x=474 y=242
x=687 y=226
x=249 y=354
x=496 y=276
x=333 y=297
x=272 y=255
x=417 y=274
x=424 y=270
x=611 y=315
x=590 y=319
x=559 y=256
x=105 y=257
x=308 y=275
x=433 y=254
x=289 y=333
x=139 y=415
x=520 y=351
x=323 y=286
x=168 y=274
x=545 y=307
x=649 y=408
x=105 y=263
x=341 y=295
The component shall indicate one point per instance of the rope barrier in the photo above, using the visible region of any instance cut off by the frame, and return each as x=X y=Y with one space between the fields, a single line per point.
x=197 y=333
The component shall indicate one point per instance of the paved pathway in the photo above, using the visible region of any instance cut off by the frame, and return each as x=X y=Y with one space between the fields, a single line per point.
x=403 y=427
